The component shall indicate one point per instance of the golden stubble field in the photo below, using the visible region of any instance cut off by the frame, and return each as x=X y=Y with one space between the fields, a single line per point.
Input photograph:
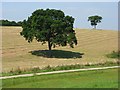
x=95 y=44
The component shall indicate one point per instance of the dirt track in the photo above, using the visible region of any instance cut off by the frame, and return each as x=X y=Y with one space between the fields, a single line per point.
x=63 y=71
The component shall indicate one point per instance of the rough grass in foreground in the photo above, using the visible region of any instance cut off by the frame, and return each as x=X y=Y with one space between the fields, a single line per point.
x=86 y=79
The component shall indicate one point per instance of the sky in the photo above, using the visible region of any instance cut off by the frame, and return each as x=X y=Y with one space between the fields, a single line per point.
x=19 y=11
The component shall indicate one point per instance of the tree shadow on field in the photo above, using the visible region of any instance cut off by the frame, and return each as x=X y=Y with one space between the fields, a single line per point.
x=57 y=54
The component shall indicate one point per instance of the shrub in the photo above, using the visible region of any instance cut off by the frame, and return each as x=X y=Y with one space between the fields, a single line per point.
x=114 y=54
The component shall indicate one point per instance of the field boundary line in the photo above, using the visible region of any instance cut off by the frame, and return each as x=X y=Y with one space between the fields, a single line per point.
x=56 y=72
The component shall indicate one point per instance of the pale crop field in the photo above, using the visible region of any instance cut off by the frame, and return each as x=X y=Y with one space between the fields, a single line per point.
x=95 y=44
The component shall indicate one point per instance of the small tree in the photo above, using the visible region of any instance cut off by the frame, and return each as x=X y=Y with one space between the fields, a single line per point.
x=50 y=26
x=94 y=20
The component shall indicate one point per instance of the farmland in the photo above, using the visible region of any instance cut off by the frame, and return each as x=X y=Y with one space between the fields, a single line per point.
x=95 y=44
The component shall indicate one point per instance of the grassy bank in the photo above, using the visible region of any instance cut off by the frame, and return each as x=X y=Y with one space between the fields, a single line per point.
x=86 y=79
x=49 y=68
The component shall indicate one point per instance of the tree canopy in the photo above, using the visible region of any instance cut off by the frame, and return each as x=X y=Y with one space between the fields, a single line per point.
x=94 y=20
x=50 y=26
x=10 y=23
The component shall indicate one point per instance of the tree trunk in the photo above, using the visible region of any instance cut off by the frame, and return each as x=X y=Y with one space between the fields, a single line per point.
x=94 y=26
x=49 y=45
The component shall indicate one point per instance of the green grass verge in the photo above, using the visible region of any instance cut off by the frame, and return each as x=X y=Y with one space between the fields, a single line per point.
x=85 y=79
x=114 y=55
x=19 y=71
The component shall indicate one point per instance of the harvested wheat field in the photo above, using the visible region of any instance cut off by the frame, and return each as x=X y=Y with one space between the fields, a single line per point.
x=95 y=44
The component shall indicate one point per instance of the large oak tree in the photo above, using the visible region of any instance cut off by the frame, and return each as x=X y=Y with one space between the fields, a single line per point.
x=50 y=26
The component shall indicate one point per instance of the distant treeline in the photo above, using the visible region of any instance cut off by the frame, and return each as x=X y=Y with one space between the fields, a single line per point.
x=10 y=23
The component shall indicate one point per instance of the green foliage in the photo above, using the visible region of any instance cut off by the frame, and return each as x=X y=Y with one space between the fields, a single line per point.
x=10 y=23
x=114 y=55
x=94 y=20
x=19 y=23
x=50 y=26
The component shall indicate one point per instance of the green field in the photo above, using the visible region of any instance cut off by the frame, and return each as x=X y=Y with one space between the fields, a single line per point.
x=86 y=79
